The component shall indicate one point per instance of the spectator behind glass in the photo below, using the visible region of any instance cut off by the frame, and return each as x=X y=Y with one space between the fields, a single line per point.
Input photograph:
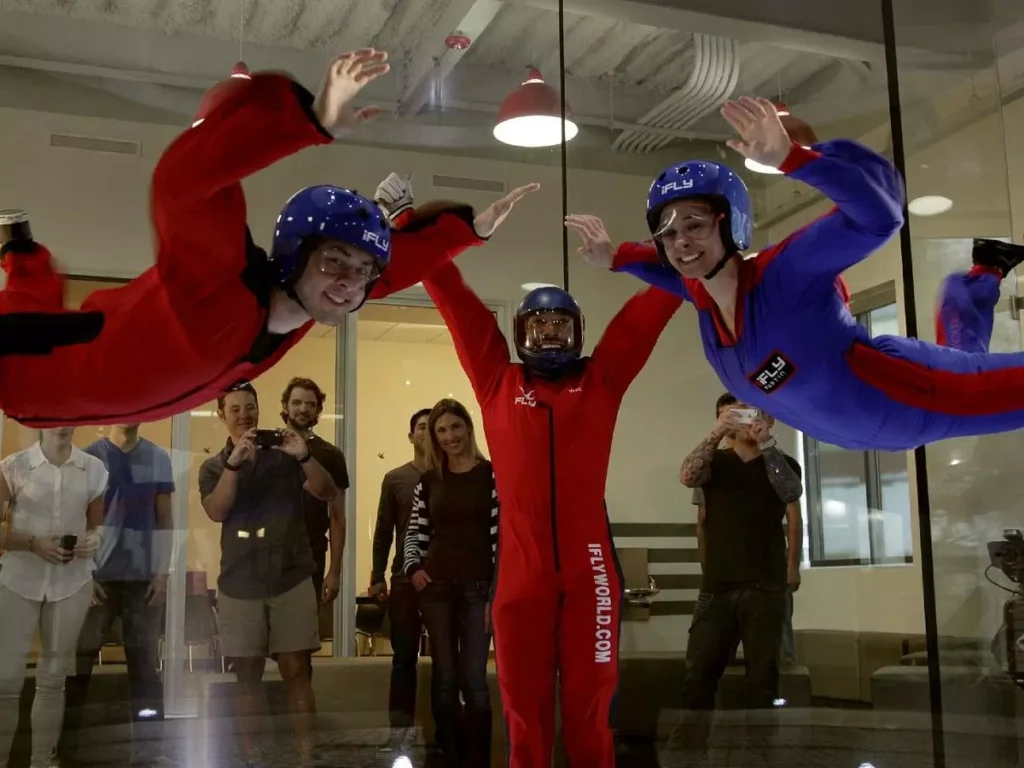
x=450 y=549
x=266 y=602
x=748 y=488
x=393 y=513
x=53 y=529
x=130 y=582
x=302 y=404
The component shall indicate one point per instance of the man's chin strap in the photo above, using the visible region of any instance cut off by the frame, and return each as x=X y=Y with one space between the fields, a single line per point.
x=721 y=263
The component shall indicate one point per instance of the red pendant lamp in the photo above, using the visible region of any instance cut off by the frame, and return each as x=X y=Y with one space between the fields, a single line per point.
x=531 y=116
x=799 y=131
x=222 y=91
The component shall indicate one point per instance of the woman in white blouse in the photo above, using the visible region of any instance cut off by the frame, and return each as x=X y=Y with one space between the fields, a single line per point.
x=49 y=491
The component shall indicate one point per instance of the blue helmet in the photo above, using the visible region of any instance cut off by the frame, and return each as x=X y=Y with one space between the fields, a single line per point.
x=549 y=298
x=331 y=213
x=698 y=178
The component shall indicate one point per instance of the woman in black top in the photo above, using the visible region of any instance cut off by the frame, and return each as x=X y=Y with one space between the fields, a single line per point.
x=450 y=547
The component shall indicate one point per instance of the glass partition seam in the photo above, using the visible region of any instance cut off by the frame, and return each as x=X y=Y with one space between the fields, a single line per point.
x=345 y=382
x=920 y=454
x=175 y=702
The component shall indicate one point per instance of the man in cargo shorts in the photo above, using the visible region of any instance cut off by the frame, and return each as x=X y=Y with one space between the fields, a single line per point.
x=266 y=601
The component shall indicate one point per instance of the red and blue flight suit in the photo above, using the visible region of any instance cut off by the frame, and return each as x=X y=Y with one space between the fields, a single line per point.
x=195 y=323
x=549 y=423
x=798 y=353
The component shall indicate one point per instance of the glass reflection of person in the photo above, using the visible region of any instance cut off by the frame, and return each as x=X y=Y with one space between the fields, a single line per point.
x=450 y=548
x=130 y=582
x=51 y=491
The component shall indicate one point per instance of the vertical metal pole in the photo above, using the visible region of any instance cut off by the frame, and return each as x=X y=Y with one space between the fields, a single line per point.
x=931 y=623
x=565 y=167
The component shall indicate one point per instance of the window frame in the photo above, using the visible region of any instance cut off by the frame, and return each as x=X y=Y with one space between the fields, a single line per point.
x=862 y=305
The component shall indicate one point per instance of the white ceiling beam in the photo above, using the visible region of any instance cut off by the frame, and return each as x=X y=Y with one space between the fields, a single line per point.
x=432 y=61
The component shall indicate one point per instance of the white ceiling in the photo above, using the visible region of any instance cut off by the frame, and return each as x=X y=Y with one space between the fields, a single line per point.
x=643 y=77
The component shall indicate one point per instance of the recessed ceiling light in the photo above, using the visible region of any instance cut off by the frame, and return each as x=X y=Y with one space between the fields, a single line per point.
x=535 y=286
x=929 y=205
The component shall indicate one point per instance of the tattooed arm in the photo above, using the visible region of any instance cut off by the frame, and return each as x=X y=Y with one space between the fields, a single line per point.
x=785 y=479
x=696 y=468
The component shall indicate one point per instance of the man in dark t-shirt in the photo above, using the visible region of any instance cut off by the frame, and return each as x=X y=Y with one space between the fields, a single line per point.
x=393 y=513
x=748 y=488
x=302 y=404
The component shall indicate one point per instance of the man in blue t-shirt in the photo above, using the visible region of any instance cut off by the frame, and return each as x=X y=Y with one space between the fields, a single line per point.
x=130 y=581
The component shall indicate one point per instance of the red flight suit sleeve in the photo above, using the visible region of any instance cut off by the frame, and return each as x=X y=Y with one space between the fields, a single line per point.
x=479 y=342
x=197 y=204
x=432 y=237
x=868 y=193
x=628 y=341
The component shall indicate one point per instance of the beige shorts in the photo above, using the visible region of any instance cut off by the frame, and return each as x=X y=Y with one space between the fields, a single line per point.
x=285 y=623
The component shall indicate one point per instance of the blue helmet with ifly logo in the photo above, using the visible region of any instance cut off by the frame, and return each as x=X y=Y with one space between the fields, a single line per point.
x=550 y=346
x=324 y=212
x=717 y=183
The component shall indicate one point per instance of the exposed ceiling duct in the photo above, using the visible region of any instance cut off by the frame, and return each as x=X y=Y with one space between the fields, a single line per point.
x=716 y=69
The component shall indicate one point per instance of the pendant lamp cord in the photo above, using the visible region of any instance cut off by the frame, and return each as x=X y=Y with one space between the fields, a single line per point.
x=565 y=174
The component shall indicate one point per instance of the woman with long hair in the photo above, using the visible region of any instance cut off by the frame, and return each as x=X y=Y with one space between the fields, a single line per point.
x=449 y=550
x=51 y=495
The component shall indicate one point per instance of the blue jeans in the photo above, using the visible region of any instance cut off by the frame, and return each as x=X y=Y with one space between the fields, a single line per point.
x=455 y=617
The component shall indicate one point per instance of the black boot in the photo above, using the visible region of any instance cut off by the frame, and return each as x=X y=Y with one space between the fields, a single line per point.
x=997 y=255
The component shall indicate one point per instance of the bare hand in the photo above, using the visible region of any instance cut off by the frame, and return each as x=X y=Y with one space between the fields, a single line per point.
x=99 y=594
x=332 y=586
x=492 y=217
x=378 y=590
x=244 y=449
x=793 y=578
x=51 y=551
x=728 y=422
x=88 y=545
x=420 y=580
x=156 y=593
x=597 y=248
x=763 y=138
x=293 y=444
x=761 y=430
x=346 y=76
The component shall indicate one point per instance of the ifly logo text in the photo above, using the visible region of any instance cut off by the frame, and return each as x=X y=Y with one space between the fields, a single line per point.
x=680 y=186
x=373 y=237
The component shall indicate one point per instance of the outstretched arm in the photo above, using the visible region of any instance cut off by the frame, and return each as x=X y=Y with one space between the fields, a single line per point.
x=479 y=342
x=866 y=188
x=638 y=259
x=628 y=341
x=426 y=238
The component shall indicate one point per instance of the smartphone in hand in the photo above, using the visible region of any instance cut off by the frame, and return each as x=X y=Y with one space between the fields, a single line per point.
x=269 y=438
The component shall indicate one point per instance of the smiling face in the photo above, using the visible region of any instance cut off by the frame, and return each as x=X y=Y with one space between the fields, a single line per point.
x=335 y=281
x=689 y=232
x=240 y=413
x=453 y=435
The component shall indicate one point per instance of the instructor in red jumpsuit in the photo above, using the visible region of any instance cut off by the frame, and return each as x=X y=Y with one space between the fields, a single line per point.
x=215 y=308
x=549 y=423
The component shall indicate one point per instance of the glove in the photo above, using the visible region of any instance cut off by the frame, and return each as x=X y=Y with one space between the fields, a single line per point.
x=394 y=195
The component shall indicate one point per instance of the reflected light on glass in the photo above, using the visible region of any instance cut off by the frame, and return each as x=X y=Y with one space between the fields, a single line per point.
x=834 y=508
x=408 y=383
x=954 y=462
x=929 y=205
x=779 y=703
x=866 y=765
x=535 y=286
x=402 y=762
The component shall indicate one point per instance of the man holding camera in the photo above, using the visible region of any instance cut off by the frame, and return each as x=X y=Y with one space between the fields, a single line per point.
x=748 y=565
x=266 y=601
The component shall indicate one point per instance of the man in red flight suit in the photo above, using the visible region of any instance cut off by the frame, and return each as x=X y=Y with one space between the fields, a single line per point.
x=549 y=424
x=215 y=309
